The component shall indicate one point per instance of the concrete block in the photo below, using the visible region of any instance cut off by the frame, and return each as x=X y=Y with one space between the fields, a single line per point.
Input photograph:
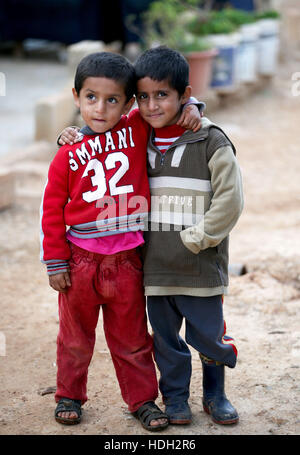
x=53 y=114
x=7 y=188
x=38 y=152
x=31 y=178
x=77 y=51
x=31 y=168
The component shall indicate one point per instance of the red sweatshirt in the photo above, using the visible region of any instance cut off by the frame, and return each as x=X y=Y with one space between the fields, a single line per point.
x=97 y=187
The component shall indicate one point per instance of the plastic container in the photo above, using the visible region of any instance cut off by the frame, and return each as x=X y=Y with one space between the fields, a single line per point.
x=268 y=46
x=248 y=53
x=224 y=64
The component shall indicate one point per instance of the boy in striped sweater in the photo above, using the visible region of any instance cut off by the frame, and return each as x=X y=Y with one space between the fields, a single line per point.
x=196 y=199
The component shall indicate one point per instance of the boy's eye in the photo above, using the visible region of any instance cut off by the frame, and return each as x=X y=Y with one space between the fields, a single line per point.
x=142 y=96
x=161 y=94
x=112 y=100
x=90 y=97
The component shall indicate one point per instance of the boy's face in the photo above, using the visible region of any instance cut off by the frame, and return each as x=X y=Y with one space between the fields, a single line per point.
x=159 y=103
x=102 y=102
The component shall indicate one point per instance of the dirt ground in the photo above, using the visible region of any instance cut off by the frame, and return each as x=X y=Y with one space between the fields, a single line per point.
x=262 y=309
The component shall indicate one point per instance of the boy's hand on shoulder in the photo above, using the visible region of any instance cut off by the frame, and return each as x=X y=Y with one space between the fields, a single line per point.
x=60 y=282
x=69 y=136
x=190 y=118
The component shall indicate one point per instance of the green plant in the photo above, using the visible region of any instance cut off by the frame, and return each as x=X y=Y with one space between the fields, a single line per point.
x=269 y=14
x=166 y=22
x=194 y=46
x=213 y=24
x=225 y=21
x=238 y=17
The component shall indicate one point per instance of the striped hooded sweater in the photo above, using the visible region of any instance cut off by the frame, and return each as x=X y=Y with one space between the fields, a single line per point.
x=196 y=199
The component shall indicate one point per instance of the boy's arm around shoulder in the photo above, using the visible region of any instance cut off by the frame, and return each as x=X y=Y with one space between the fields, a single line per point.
x=69 y=135
x=226 y=204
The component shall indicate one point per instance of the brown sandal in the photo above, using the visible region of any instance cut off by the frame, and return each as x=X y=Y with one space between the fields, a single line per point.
x=68 y=405
x=148 y=412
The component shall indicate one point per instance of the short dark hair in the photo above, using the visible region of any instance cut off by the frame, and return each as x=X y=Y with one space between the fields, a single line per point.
x=109 y=65
x=162 y=63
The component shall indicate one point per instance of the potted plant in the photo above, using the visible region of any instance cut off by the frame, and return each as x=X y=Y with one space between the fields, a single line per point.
x=218 y=30
x=247 y=56
x=166 y=23
x=247 y=41
x=268 y=46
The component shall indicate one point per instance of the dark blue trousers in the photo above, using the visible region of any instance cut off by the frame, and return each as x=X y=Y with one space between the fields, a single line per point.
x=204 y=330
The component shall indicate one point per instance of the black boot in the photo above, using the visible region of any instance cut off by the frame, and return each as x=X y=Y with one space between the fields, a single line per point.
x=214 y=401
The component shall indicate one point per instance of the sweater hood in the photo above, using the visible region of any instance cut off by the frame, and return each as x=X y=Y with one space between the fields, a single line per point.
x=206 y=124
x=190 y=136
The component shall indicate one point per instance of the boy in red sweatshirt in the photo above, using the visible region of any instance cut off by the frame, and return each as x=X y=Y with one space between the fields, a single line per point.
x=98 y=189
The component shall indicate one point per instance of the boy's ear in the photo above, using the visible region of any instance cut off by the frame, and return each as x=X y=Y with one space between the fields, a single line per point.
x=128 y=105
x=187 y=94
x=76 y=97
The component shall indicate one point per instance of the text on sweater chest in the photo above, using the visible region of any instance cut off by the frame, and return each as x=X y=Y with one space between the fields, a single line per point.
x=108 y=142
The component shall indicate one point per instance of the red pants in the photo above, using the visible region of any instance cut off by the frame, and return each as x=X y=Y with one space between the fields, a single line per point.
x=115 y=283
